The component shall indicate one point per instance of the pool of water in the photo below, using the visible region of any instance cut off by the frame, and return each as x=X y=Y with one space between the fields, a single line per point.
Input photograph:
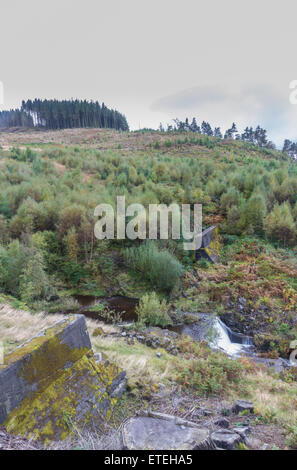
x=121 y=305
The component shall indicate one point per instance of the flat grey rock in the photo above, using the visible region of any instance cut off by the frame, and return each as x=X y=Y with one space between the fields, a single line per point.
x=243 y=431
x=279 y=365
x=243 y=405
x=147 y=433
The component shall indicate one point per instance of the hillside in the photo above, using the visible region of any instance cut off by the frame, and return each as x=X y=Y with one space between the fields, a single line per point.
x=50 y=261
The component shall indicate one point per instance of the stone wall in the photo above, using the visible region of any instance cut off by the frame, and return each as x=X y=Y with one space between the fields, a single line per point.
x=53 y=381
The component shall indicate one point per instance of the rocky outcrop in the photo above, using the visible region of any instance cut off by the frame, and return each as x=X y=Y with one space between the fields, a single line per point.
x=53 y=381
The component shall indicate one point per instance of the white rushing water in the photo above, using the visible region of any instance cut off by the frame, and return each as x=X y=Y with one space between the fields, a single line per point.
x=224 y=339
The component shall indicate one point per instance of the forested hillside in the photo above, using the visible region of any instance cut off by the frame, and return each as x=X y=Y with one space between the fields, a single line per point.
x=50 y=261
x=54 y=114
x=48 y=198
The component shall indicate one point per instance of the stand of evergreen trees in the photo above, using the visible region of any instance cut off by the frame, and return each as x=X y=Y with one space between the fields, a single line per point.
x=54 y=114
x=257 y=136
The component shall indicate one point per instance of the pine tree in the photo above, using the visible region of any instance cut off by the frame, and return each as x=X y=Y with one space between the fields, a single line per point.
x=206 y=128
x=229 y=134
x=194 y=126
x=217 y=133
x=279 y=224
x=54 y=114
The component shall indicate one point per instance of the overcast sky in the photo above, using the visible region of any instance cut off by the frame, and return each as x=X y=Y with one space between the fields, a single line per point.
x=155 y=60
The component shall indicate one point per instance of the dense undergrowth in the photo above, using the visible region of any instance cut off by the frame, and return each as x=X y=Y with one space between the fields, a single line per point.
x=48 y=250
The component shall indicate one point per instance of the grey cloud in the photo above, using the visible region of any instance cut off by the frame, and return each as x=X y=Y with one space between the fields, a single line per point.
x=248 y=105
x=257 y=97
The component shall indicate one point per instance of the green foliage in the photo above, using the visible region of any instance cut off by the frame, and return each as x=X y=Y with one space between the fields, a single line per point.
x=23 y=273
x=54 y=114
x=279 y=225
x=152 y=311
x=160 y=267
x=34 y=282
x=51 y=195
x=210 y=373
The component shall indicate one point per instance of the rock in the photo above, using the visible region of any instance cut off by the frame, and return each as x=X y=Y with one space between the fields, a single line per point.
x=202 y=412
x=243 y=431
x=145 y=432
x=159 y=354
x=206 y=412
x=123 y=334
x=120 y=389
x=98 y=357
x=243 y=405
x=222 y=422
x=278 y=365
x=242 y=301
x=253 y=443
x=226 y=439
x=53 y=298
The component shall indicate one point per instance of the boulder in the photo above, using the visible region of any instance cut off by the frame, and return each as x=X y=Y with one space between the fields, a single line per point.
x=164 y=432
x=278 y=365
x=222 y=423
x=243 y=431
x=243 y=406
x=226 y=439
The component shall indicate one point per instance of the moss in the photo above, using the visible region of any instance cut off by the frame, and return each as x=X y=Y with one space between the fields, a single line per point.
x=215 y=246
x=50 y=414
x=69 y=387
x=98 y=332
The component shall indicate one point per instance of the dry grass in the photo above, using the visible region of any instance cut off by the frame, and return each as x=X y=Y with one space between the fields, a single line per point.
x=17 y=326
x=137 y=359
x=275 y=401
x=109 y=439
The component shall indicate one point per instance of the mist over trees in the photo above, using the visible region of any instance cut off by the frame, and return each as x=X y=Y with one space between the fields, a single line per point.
x=54 y=114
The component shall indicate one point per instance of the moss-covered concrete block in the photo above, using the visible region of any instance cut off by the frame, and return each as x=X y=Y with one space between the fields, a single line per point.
x=53 y=381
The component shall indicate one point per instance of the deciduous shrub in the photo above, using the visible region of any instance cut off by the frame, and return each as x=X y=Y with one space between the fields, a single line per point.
x=158 y=266
x=153 y=311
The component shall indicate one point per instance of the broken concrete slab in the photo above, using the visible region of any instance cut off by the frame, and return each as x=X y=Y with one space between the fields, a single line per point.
x=52 y=382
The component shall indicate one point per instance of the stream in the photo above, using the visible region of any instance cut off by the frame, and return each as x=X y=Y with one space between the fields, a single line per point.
x=211 y=329
x=207 y=327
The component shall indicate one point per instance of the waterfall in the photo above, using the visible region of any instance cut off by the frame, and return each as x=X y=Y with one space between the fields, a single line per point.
x=234 y=344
